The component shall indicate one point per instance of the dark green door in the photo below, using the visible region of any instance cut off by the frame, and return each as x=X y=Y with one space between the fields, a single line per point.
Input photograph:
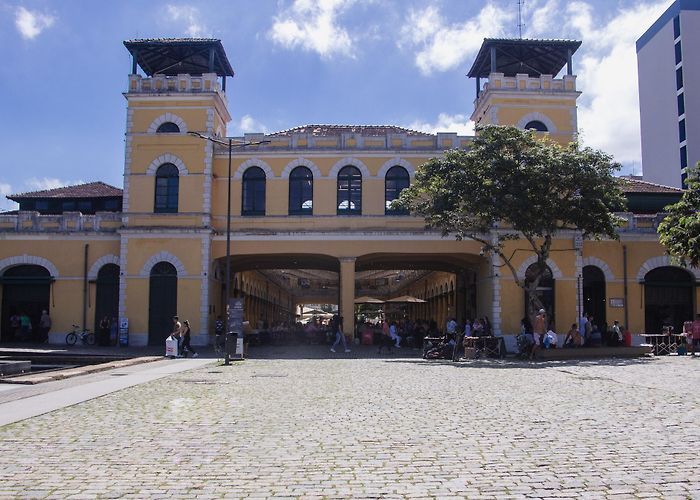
x=162 y=302
x=106 y=298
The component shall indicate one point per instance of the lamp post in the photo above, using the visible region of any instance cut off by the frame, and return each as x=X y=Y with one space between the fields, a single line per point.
x=228 y=142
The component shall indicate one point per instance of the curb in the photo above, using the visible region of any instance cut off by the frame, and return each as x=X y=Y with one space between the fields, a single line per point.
x=40 y=378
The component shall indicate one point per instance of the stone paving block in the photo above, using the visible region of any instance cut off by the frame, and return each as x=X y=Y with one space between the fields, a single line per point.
x=370 y=428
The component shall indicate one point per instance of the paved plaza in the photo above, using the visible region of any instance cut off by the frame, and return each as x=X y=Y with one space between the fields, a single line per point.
x=367 y=427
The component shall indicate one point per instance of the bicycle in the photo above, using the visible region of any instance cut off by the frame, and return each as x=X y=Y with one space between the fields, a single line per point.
x=86 y=336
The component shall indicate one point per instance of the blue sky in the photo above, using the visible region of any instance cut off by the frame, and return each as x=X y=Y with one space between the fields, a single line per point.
x=399 y=62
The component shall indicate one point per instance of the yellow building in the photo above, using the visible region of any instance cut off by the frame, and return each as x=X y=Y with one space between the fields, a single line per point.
x=311 y=220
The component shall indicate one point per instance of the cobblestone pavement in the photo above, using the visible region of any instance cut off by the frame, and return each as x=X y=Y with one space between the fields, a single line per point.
x=373 y=428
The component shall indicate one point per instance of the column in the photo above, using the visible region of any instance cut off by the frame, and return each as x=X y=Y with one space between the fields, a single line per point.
x=347 y=295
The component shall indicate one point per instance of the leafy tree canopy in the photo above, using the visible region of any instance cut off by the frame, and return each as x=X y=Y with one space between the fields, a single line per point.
x=511 y=185
x=680 y=230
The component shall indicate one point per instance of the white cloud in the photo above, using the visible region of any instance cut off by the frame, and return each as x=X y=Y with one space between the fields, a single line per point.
x=312 y=25
x=6 y=204
x=442 y=47
x=30 y=23
x=541 y=16
x=608 y=115
x=39 y=184
x=445 y=123
x=190 y=17
x=247 y=124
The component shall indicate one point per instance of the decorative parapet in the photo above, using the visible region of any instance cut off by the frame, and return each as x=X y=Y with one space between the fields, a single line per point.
x=185 y=83
x=33 y=222
x=354 y=141
x=640 y=223
x=525 y=83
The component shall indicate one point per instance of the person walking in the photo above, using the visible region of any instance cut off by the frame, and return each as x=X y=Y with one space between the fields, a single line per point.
x=177 y=327
x=695 y=335
x=186 y=339
x=44 y=326
x=104 y=331
x=337 y=326
x=25 y=326
x=394 y=334
x=540 y=329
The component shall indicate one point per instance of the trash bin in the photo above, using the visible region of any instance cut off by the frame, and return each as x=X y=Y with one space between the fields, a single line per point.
x=171 y=347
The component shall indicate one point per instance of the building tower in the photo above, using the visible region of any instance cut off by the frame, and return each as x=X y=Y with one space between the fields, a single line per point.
x=668 y=63
x=167 y=205
x=523 y=89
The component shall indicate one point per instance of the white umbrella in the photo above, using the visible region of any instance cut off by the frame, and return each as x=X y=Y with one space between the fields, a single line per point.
x=406 y=299
x=368 y=300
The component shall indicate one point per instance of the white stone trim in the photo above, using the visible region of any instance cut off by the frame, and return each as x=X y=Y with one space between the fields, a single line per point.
x=19 y=260
x=539 y=117
x=206 y=198
x=105 y=259
x=301 y=162
x=496 y=308
x=333 y=174
x=167 y=158
x=579 y=282
x=400 y=162
x=556 y=272
x=253 y=162
x=204 y=290
x=663 y=261
x=168 y=117
x=163 y=257
x=123 y=249
x=600 y=264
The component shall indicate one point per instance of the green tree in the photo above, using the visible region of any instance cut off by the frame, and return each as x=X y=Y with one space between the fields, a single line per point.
x=510 y=185
x=680 y=230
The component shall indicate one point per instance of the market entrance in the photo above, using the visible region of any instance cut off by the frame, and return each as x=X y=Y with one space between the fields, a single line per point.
x=668 y=298
x=26 y=291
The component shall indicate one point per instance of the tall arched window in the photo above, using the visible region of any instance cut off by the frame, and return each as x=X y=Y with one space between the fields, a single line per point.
x=167 y=189
x=167 y=128
x=396 y=180
x=349 y=191
x=536 y=125
x=301 y=191
x=253 y=192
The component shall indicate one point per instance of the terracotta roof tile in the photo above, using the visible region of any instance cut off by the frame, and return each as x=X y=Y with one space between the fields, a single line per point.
x=333 y=130
x=632 y=184
x=88 y=190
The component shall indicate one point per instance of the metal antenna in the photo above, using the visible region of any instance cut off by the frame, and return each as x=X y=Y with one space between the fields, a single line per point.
x=520 y=18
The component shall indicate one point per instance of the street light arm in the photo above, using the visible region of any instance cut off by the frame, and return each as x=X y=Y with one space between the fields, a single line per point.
x=228 y=143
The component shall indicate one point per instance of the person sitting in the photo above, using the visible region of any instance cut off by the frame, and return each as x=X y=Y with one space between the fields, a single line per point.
x=596 y=337
x=573 y=337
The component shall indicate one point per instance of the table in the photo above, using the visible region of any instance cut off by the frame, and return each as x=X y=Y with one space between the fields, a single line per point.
x=663 y=343
x=489 y=346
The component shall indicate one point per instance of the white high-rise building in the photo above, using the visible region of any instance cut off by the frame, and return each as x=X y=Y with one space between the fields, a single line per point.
x=668 y=59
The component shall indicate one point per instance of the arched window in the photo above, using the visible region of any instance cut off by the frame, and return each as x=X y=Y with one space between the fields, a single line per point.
x=536 y=125
x=301 y=191
x=396 y=180
x=349 y=191
x=253 y=192
x=168 y=128
x=545 y=290
x=167 y=189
